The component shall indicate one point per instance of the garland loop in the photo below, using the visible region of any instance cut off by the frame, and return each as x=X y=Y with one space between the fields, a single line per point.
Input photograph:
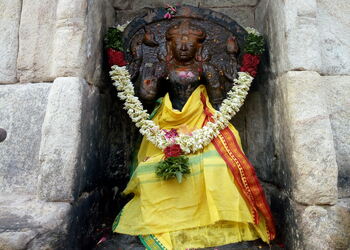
x=175 y=145
x=189 y=143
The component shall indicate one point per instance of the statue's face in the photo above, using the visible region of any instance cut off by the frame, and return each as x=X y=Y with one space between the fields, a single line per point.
x=184 y=48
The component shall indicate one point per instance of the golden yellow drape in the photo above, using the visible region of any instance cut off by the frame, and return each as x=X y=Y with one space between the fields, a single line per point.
x=206 y=209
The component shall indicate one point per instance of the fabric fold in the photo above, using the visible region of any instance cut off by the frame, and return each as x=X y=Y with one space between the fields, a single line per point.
x=210 y=207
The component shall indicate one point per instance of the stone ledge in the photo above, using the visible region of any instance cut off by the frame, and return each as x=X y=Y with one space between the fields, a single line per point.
x=24 y=218
x=325 y=227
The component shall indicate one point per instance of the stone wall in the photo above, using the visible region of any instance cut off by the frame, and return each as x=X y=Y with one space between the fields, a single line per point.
x=55 y=112
x=67 y=136
x=306 y=71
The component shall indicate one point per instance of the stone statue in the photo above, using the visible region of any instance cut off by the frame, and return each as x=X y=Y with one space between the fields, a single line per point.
x=185 y=66
x=185 y=57
x=191 y=62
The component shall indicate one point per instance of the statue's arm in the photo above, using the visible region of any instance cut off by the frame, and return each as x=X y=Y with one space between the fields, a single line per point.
x=151 y=75
x=214 y=87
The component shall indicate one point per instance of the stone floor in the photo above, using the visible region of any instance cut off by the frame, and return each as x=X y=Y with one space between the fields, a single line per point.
x=126 y=242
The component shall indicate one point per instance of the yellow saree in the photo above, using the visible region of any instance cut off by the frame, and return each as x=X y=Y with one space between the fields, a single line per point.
x=207 y=209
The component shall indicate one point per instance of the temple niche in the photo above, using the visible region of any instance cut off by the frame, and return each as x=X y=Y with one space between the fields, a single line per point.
x=66 y=141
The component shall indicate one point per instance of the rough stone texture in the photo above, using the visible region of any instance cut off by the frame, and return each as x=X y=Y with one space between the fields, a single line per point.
x=31 y=224
x=122 y=4
x=62 y=38
x=138 y=4
x=338 y=99
x=307 y=35
x=244 y=16
x=23 y=219
x=242 y=13
x=292 y=34
x=101 y=15
x=36 y=34
x=22 y=111
x=326 y=227
x=68 y=148
x=333 y=18
x=69 y=38
x=259 y=136
x=270 y=21
x=284 y=214
x=313 y=162
x=227 y=3
x=10 y=11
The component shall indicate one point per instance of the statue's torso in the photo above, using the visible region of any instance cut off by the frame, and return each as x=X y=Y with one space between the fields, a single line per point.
x=183 y=80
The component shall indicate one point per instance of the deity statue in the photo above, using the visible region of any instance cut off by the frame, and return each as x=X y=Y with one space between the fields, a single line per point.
x=185 y=68
x=221 y=201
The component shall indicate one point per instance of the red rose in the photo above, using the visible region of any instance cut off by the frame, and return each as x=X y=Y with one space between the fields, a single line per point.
x=116 y=57
x=250 y=64
x=251 y=70
x=172 y=151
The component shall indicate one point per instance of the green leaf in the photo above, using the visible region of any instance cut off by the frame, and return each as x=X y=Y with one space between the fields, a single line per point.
x=173 y=167
x=113 y=39
x=254 y=44
x=179 y=177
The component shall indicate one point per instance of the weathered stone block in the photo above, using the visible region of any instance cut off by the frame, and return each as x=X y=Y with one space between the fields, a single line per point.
x=36 y=35
x=333 y=18
x=227 y=3
x=101 y=15
x=64 y=39
x=31 y=224
x=25 y=222
x=292 y=34
x=122 y=4
x=10 y=12
x=242 y=15
x=270 y=21
x=69 y=39
x=338 y=100
x=139 y=4
x=71 y=116
x=326 y=227
x=22 y=111
x=200 y=3
x=312 y=157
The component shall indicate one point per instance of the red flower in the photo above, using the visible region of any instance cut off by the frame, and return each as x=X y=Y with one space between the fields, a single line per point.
x=250 y=64
x=115 y=57
x=172 y=151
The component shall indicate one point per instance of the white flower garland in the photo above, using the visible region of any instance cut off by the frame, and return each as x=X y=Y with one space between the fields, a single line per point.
x=188 y=143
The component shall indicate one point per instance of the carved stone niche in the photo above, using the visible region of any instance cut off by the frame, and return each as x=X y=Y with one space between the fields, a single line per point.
x=146 y=45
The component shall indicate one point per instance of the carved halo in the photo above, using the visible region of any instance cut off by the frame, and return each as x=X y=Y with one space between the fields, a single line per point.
x=145 y=39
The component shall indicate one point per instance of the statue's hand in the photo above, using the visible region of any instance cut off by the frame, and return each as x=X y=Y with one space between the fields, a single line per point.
x=149 y=88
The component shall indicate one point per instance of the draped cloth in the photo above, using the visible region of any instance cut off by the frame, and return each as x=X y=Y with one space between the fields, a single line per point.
x=219 y=202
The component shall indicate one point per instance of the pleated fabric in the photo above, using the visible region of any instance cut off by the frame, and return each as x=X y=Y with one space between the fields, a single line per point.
x=207 y=209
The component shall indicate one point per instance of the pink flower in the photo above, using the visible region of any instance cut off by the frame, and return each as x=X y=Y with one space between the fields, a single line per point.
x=103 y=239
x=170 y=133
x=185 y=75
x=182 y=74
x=168 y=15
x=190 y=74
